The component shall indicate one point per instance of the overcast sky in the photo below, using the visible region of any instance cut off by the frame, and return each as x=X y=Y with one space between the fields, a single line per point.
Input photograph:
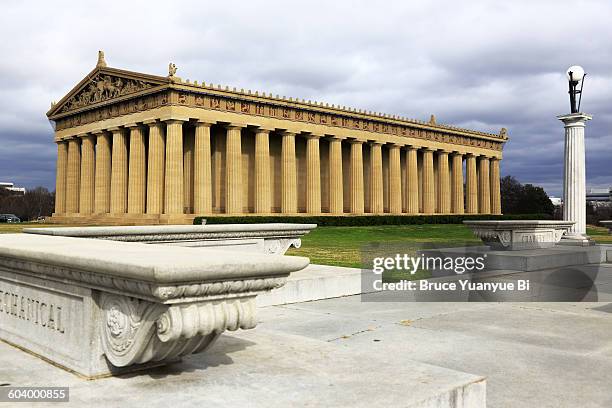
x=477 y=64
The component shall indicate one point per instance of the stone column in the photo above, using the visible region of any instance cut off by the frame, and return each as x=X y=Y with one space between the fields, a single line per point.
x=60 y=177
x=173 y=185
x=412 y=181
x=156 y=168
x=103 y=173
x=574 y=178
x=188 y=170
x=484 y=187
x=471 y=186
x=263 y=190
x=395 y=180
x=288 y=175
x=137 y=176
x=444 y=201
x=336 y=203
x=376 y=179
x=119 y=172
x=495 y=187
x=313 y=175
x=428 y=182
x=88 y=165
x=202 y=189
x=457 y=206
x=73 y=176
x=233 y=170
x=356 y=177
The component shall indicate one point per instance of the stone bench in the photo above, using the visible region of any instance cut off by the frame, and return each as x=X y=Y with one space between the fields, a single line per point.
x=100 y=307
x=273 y=238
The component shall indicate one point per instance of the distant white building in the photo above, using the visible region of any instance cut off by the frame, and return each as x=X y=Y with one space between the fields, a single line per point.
x=11 y=187
x=599 y=196
x=557 y=202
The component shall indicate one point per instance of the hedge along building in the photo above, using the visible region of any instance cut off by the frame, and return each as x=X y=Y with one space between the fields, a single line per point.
x=138 y=148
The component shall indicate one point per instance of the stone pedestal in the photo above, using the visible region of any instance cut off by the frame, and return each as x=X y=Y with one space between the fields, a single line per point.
x=574 y=179
x=99 y=307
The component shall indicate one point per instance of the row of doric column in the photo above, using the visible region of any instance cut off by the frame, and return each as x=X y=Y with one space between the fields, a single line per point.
x=149 y=168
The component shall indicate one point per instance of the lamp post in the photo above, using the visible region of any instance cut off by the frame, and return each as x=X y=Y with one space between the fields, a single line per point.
x=574 y=179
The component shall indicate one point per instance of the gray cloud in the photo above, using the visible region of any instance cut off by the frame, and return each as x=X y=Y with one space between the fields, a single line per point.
x=478 y=64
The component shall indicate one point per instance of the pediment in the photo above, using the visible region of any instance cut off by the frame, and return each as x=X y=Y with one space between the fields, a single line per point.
x=105 y=85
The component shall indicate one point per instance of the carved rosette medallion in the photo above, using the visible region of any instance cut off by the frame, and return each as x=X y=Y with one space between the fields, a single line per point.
x=136 y=331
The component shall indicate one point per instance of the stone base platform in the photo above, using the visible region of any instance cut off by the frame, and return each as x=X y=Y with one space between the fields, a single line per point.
x=315 y=282
x=121 y=219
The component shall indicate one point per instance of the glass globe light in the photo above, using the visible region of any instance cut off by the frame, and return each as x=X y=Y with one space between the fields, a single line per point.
x=577 y=73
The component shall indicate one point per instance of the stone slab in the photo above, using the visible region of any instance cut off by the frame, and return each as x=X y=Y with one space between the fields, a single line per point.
x=533 y=259
x=532 y=354
x=315 y=282
x=264 y=368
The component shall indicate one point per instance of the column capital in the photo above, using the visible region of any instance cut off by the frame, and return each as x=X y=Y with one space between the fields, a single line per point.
x=428 y=149
x=131 y=125
x=444 y=151
x=287 y=133
x=375 y=143
x=115 y=129
x=413 y=147
x=100 y=132
x=264 y=129
x=334 y=137
x=203 y=123
x=174 y=121
x=356 y=141
x=310 y=135
x=394 y=146
x=235 y=126
x=470 y=154
x=150 y=121
x=457 y=153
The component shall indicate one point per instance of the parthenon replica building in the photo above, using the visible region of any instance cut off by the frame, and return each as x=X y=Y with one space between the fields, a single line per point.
x=145 y=149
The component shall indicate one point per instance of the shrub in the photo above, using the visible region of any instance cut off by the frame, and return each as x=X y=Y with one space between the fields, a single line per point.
x=364 y=220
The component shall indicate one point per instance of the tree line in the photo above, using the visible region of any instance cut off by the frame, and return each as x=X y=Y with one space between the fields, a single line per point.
x=37 y=202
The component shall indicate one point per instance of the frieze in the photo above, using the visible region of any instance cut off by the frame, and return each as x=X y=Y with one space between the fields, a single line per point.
x=272 y=111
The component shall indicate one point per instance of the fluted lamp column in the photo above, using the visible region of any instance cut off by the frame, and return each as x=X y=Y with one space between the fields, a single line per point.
x=395 y=180
x=412 y=181
x=356 y=177
x=336 y=202
x=376 y=179
x=88 y=165
x=313 y=175
x=60 y=177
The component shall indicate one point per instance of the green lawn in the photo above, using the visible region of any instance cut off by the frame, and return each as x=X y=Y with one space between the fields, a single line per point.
x=342 y=246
